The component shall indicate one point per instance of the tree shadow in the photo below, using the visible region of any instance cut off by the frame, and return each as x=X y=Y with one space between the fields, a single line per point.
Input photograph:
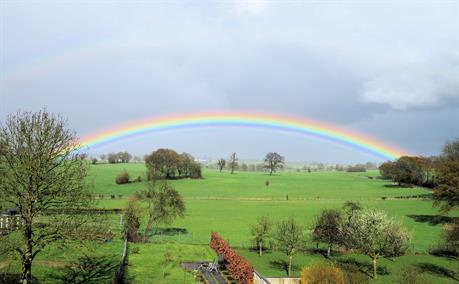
x=351 y=264
x=86 y=269
x=169 y=231
x=8 y=278
x=254 y=249
x=398 y=185
x=437 y=270
x=323 y=252
x=433 y=219
x=282 y=265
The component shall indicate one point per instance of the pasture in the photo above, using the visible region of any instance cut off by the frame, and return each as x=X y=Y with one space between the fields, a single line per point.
x=230 y=204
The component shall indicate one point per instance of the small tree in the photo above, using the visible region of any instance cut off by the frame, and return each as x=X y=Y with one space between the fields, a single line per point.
x=328 y=228
x=273 y=161
x=164 y=205
x=375 y=235
x=221 y=164
x=260 y=232
x=289 y=238
x=322 y=273
x=94 y=161
x=233 y=162
x=132 y=221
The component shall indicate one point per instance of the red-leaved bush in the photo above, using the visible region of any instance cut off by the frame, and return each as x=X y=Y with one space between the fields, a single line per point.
x=239 y=268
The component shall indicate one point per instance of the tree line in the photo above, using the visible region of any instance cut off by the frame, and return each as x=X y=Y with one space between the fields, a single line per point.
x=272 y=162
x=440 y=173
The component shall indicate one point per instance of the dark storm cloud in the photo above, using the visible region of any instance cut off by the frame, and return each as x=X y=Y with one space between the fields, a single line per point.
x=359 y=65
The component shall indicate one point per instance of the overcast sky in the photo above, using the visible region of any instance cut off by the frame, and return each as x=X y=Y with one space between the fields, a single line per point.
x=386 y=69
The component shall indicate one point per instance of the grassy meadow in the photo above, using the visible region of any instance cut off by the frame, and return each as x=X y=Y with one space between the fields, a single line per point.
x=229 y=204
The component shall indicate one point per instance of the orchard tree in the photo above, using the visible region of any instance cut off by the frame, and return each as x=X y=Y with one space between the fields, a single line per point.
x=289 y=238
x=232 y=162
x=375 y=235
x=327 y=228
x=273 y=161
x=446 y=194
x=221 y=164
x=40 y=170
x=261 y=232
x=164 y=205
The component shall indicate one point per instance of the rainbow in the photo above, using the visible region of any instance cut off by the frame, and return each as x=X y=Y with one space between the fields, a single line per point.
x=250 y=119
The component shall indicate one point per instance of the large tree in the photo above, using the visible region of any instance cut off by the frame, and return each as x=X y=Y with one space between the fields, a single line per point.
x=375 y=235
x=40 y=172
x=233 y=162
x=328 y=227
x=446 y=194
x=289 y=238
x=273 y=161
x=168 y=164
x=261 y=232
x=164 y=205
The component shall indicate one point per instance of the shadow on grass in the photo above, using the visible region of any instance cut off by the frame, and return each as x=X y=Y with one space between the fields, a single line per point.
x=86 y=269
x=256 y=250
x=391 y=185
x=169 y=231
x=437 y=270
x=7 y=278
x=282 y=265
x=433 y=219
x=323 y=252
x=363 y=267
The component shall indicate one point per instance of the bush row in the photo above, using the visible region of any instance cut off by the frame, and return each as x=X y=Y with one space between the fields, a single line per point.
x=239 y=267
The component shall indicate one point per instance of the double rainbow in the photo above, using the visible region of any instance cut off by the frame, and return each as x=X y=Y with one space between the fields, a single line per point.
x=252 y=120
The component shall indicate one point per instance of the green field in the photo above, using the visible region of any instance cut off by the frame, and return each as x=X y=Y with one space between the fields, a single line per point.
x=229 y=204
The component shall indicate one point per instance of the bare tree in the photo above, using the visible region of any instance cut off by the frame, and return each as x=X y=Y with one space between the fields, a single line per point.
x=273 y=161
x=41 y=172
x=221 y=164
x=232 y=162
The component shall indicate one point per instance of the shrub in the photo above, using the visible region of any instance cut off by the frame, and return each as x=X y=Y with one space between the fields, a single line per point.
x=240 y=269
x=322 y=273
x=449 y=243
x=122 y=178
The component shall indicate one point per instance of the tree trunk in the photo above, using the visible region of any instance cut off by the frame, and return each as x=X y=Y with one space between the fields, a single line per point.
x=329 y=251
x=374 y=268
x=147 y=229
x=289 y=271
x=271 y=172
x=260 y=246
x=27 y=256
